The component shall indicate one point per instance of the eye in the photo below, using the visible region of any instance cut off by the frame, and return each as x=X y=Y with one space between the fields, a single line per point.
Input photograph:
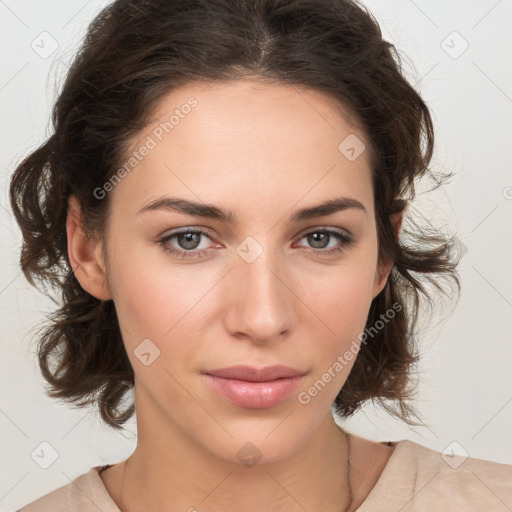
x=187 y=238
x=320 y=238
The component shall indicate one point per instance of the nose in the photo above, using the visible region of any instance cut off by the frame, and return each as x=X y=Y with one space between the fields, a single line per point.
x=262 y=305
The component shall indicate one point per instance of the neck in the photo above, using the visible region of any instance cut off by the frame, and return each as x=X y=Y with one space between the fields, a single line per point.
x=170 y=473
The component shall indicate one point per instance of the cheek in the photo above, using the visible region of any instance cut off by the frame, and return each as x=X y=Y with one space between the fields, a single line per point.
x=159 y=303
x=340 y=307
x=341 y=299
x=155 y=299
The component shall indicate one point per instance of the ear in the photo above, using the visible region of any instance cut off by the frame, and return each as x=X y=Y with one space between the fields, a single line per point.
x=85 y=254
x=383 y=271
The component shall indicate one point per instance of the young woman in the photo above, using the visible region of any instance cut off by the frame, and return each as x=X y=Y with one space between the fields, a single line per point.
x=221 y=205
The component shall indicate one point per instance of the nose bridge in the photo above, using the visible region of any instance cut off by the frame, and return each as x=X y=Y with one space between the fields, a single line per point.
x=263 y=306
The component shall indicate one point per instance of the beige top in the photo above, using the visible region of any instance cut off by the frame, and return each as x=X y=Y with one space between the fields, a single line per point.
x=415 y=479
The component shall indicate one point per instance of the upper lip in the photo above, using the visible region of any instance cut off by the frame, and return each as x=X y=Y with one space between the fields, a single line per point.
x=253 y=374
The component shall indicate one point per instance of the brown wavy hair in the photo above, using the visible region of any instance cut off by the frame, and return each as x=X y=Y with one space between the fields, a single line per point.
x=137 y=51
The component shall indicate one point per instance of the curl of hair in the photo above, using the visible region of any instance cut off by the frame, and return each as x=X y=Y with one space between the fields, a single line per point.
x=137 y=51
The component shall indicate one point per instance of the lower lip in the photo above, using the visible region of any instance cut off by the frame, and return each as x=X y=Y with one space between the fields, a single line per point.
x=254 y=395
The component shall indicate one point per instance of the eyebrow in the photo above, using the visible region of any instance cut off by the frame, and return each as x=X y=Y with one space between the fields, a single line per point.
x=229 y=217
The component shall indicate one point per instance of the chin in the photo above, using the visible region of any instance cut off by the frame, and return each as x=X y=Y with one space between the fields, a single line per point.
x=255 y=445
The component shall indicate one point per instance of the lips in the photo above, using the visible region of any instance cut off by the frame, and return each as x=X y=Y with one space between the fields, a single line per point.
x=255 y=388
x=253 y=374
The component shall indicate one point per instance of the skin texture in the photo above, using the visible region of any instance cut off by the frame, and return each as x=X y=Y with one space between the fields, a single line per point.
x=263 y=151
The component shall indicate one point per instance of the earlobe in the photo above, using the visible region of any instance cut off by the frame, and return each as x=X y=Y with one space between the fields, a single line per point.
x=85 y=254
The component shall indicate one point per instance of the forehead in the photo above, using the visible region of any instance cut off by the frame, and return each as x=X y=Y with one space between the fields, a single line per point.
x=231 y=139
x=245 y=105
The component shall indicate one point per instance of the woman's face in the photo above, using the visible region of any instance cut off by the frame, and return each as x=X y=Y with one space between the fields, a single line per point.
x=262 y=288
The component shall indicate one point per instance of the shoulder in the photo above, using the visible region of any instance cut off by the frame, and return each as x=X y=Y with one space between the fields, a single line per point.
x=85 y=493
x=420 y=479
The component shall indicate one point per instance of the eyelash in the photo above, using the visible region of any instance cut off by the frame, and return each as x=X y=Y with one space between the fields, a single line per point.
x=345 y=239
